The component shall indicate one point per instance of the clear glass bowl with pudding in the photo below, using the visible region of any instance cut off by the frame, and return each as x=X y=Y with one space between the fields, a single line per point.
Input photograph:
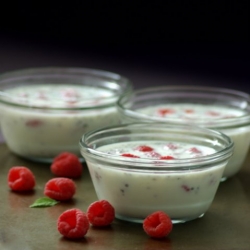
x=226 y=110
x=141 y=168
x=45 y=111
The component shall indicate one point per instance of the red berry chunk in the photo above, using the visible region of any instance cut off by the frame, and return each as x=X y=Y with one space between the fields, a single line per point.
x=157 y=224
x=34 y=123
x=166 y=111
x=60 y=189
x=144 y=148
x=66 y=165
x=21 y=179
x=154 y=154
x=195 y=150
x=213 y=113
x=189 y=111
x=167 y=157
x=41 y=95
x=101 y=213
x=130 y=155
x=73 y=224
x=172 y=146
x=186 y=188
x=69 y=93
x=228 y=116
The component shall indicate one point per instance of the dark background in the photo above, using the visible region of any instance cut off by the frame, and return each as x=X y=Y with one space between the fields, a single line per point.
x=148 y=41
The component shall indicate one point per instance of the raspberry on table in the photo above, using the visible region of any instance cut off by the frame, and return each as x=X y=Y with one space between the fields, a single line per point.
x=73 y=224
x=157 y=224
x=60 y=188
x=21 y=178
x=66 y=164
x=100 y=213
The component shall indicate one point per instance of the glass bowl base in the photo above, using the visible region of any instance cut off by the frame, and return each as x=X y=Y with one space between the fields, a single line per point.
x=174 y=220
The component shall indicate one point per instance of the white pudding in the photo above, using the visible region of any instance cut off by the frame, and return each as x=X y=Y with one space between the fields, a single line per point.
x=183 y=195
x=45 y=120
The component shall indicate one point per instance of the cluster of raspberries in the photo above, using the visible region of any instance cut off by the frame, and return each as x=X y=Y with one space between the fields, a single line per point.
x=74 y=223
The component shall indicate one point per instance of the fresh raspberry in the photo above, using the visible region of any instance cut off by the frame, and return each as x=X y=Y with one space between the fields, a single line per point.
x=73 y=224
x=100 y=213
x=60 y=188
x=66 y=165
x=157 y=224
x=167 y=157
x=130 y=155
x=21 y=179
x=144 y=148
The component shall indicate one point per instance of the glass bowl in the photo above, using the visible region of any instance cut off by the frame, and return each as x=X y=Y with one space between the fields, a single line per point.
x=222 y=109
x=44 y=111
x=140 y=169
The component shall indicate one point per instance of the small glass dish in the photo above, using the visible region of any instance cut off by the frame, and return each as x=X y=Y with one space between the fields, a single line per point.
x=226 y=110
x=140 y=169
x=44 y=111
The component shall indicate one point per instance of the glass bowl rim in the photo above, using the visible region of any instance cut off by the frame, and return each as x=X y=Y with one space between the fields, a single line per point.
x=162 y=165
x=36 y=72
x=229 y=122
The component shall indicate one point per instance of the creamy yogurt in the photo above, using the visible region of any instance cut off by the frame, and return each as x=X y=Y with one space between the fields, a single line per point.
x=157 y=150
x=192 y=112
x=183 y=195
x=208 y=115
x=48 y=119
x=57 y=96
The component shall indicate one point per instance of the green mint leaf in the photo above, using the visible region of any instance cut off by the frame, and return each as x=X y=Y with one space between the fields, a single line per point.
x=44 y=202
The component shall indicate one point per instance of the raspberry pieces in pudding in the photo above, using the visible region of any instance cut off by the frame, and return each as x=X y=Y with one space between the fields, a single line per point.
x=192 y=112
x=160 y=150
x=211 y=116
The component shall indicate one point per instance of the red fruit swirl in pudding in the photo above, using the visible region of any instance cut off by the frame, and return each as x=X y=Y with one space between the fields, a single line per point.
x=191 y=112
x=157 y=150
